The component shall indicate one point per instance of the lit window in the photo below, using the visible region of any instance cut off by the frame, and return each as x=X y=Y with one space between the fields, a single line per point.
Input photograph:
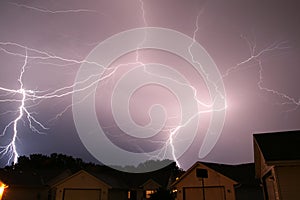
x=128 y=195
x=148 y=193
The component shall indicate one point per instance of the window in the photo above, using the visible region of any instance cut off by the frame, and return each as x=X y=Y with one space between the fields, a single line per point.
x=148 y=193
x=128 y=194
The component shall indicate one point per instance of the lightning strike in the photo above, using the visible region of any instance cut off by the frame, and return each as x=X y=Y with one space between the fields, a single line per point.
x=51 y=11
x=11 y=147
x=29 y=95
x=257 y=58
x=289 y=99
x=32 y=95
x=173 y=131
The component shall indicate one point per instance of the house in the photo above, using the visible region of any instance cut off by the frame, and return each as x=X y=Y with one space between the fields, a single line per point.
x=233 y=181
x=277 y=164
x=80 y=185
x=135 y=186
x=247 y=187
x=202 y=182
x=97 y=182
x=101 y=183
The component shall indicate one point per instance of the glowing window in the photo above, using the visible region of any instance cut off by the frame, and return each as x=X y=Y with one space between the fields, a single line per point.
x=148 y=193
x=128 y=195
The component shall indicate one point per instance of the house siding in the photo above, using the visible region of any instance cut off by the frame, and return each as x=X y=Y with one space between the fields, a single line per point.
x=277 y=161
x=81 y=181
x=214 y=183
x=288 y=179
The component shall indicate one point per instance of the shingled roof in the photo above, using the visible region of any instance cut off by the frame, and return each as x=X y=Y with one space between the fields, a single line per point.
x=279 y=146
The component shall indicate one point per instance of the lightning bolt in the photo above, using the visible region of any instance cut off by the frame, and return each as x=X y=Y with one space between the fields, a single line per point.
x=11 y=148
x=288 y=99
x=29 y=95
x=35 y=95
x=44 y=57
x=51 y=11
x=173 y=131
x=256 y=57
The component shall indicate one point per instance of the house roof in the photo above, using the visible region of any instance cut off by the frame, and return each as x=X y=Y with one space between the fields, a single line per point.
x=110 y=177
x=243 y=174
x=279 y=146
x=136 y=180
x=149 y=181
x=79 y=173
x=219 y=168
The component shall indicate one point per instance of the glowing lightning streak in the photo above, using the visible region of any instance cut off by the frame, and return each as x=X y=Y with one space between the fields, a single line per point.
x=289 y=99
x=256 y=57
x=12 y=145
x=11 y=148
x=174 y=131
x=52 y=11
x=61 y=92
x=29 y=95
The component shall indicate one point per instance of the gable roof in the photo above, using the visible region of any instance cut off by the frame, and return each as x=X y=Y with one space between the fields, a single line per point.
x=78 y=173
x=209 y=165
x=111 y=179
x=279 y=146
x=149 y=181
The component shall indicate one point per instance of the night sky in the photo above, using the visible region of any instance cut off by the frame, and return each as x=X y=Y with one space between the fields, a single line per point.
x=254 y=45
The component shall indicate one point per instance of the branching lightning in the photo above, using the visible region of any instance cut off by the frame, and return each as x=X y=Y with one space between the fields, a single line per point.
x=257 y=58
x=209 y=107
x=11 y=148
x=27 y=96
x=173 y=131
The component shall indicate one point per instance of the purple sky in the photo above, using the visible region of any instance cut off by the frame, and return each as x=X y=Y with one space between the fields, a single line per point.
x=262 y=93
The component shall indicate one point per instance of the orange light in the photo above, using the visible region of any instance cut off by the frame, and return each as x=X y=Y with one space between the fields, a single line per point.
x=2 y=188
